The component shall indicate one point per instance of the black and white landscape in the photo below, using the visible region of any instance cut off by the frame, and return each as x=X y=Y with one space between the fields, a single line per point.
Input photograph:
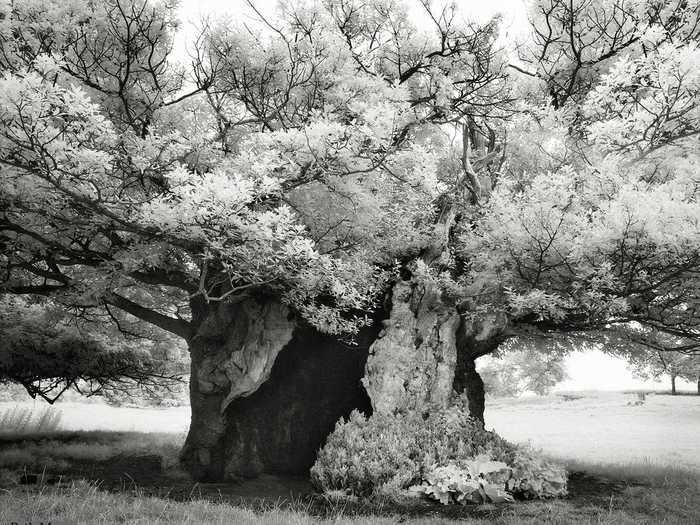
x=350 y=261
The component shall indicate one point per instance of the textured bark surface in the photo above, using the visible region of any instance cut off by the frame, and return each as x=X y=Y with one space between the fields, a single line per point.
x=412 y=362
x=266 y=391
x=476 y=337
x=232 y=354
x=481 y=335
x=427 y=352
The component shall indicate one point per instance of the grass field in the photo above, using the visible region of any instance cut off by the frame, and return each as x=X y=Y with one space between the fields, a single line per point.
x=605 y=427
x=630 y=464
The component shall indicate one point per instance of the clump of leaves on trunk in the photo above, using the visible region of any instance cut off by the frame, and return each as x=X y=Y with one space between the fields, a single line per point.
x=442 y=454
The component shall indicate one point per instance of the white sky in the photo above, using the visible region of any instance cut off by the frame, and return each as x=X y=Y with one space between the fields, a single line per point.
x=192 y=11
x=478 y=9
x=592 y=370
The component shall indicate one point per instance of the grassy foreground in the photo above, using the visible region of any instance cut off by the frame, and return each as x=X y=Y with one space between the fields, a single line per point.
x=624 y=494
x=676 y=501
x=630 y=465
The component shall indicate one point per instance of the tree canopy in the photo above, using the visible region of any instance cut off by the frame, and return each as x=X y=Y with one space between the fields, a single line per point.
x=510 y=373
x=319 y=155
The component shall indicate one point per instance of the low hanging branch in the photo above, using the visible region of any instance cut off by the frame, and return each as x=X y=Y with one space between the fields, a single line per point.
x=49 y=361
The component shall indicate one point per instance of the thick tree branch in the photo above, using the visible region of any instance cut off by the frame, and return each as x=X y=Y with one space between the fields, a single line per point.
x=171 y=324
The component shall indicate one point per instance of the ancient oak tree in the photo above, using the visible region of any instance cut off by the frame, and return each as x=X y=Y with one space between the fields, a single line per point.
x=343 y=206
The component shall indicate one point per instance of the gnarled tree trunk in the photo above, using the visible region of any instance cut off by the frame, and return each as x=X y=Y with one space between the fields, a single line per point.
x=476 y=337
x=426 y=352
x=265 y=390
x=411 y=364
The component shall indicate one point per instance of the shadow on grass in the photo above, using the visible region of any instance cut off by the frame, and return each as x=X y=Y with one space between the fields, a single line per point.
x=145 y=465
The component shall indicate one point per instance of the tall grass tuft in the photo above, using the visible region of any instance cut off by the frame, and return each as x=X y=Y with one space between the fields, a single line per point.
x=21 y=421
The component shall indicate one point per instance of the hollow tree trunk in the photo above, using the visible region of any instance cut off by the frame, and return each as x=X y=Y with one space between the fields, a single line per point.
x=673 y=384
x=232 y=354
x=265 y=390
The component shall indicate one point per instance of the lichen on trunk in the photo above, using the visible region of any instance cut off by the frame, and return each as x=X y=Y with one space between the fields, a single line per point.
x=426 y=351
x=411 y=364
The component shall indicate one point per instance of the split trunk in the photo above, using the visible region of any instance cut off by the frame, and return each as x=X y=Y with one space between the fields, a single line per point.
x=266 y=389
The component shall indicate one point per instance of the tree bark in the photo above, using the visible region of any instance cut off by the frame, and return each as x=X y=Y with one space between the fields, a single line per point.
x=202 y=455
x=266 y=390
x=427 y=351
x=476 y=337
x=699 y=385
x=673 y=384
x=411 y=364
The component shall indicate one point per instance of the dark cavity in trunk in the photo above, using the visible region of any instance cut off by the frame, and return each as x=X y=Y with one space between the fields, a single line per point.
x=276 y=421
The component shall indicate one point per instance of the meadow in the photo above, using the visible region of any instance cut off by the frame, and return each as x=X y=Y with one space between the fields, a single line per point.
x=629 y=463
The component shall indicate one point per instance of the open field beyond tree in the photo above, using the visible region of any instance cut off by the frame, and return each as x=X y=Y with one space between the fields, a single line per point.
x=598 y=426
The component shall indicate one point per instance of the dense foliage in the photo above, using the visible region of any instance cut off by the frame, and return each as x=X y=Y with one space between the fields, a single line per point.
x=315 y=156
x=442 y=453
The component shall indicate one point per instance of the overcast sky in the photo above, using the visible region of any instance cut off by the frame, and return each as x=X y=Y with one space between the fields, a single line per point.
x=512 y=10
x=192 y=11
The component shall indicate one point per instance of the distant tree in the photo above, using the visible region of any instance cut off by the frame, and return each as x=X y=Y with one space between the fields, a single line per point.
x=652 y=360
x=512 y=371
x=672 y=364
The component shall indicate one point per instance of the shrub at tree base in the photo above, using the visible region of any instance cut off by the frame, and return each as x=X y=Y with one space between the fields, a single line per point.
x=444 y=455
